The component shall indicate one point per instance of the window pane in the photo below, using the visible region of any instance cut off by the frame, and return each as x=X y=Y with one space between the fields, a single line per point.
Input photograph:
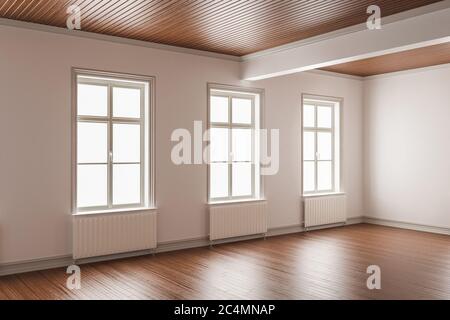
x=242 y=179
x=308 y=116
x=126 y=184
x=126 y=142
x=324 y=175
x=218 y=144
x=92 y=142
x=308 y=145
x=242 y=144
x=126 y=102
x=92 y=100
x=308 y=176
x=324 y=117
x=219 y=109
x=242 y=110
x=324 y=146
x=92 y=185
x=218 y=182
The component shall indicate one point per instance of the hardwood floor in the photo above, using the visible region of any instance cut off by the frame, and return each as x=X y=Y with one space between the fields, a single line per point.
x=325 y=264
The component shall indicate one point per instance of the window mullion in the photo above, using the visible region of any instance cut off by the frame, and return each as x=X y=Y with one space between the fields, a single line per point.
x=110 y=146
x=252 y=157
x=315 y=163
x=230 y=149
x=332 y=150
x=126 y=120
x=142 y=148
x=315 y=150
x=92 y=119
x=91 y=163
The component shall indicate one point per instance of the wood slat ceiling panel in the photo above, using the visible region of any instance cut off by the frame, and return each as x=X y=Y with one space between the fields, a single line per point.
x=235 y=27
x=405 y=60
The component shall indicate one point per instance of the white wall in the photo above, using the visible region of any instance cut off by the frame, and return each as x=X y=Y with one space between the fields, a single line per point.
x=407 y=148
x=35 y=141
x=283 y=99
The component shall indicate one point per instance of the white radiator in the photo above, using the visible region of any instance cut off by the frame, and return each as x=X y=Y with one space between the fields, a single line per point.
x=235 y=220
x=325 y=210
x=104 y=234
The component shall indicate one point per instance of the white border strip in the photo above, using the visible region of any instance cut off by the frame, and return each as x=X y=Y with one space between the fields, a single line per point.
x=407 y=225
x=379 y=76
x=405 y=72
x=120 y=40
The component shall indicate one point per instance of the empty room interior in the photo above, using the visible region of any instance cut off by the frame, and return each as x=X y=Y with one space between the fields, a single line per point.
x=224 y=150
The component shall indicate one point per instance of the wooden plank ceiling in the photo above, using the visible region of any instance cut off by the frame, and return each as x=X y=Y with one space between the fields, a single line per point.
x=235 y=27
x=404 y=60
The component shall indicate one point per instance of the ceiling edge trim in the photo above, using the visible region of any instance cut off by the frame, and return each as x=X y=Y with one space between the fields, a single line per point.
x=405 y=72
x=115 y=39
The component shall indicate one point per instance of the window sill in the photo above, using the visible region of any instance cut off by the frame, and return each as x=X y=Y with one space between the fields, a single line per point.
x=327 y=194
x=112 y=211
x=213 y=203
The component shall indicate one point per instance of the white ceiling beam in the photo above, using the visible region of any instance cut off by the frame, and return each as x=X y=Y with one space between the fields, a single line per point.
x=412 y=32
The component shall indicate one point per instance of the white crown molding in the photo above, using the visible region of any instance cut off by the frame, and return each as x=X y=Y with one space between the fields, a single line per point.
x=379 y=76
x=405 y=72
x=108 y=38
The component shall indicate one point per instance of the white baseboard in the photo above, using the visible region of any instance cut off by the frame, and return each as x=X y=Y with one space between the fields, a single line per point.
x=279 y=231
x=406 y=225
x=64 y=261
x=355 y=220
x=300 y=227
x=35 y=265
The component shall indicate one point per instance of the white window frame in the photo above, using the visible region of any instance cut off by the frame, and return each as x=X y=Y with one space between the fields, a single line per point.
x=146 y=122
x=256 y=97
x=336 y=132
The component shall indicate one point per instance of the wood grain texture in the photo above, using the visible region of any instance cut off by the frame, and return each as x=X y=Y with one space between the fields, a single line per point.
x=405 y=60
x=325 y=264
x=234 y=27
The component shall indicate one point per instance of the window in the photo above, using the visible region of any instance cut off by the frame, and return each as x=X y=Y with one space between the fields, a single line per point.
x=112 y=142
x=233 y=145
x=321 y=162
